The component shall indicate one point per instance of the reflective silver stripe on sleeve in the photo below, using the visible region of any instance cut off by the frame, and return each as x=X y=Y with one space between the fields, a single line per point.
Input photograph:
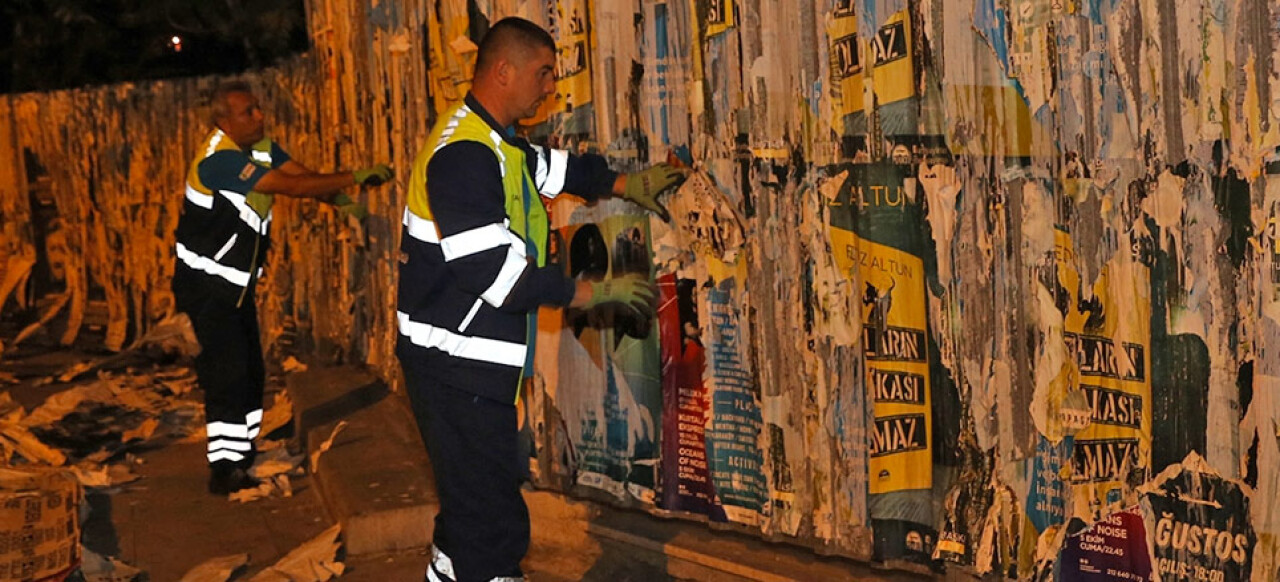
x=553 y=166
x=213 y=143
x=451 y=127
x=207 y=265
x=476 y=240
x=461 y=346
x=421 y=228
x=512 y=268
x=199 y=198
x=247 y=214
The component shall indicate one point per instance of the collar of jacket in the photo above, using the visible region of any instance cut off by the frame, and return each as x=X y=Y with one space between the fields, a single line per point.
x=508 y=133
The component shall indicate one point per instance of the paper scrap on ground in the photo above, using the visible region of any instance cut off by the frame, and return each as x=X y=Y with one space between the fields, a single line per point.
x=93 y=475
x=172 y=335
x=98 y=568
x=61 y=404
x=268 y=487
x=10 y=411
x=313 y=561
x=291 y=365
x=279 y=414
x=17 y=439
x=217 y=570
x=142 y=432
x=315 y=457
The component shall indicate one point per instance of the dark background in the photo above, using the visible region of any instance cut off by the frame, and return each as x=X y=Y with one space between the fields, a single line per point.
x=57 y=44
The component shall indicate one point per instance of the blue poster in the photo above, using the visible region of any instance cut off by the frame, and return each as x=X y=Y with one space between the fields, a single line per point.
x=733 y=442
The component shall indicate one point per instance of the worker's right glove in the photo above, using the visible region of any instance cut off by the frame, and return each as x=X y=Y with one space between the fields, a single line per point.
x=633 y=292
x=374 y=175
x=350 y=207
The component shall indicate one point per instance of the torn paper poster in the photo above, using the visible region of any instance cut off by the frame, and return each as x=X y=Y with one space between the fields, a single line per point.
x=704 y=222
x=1113 y=549
x=735 y=437
x=1199 y=523
x=608 y=391
x=685 y=397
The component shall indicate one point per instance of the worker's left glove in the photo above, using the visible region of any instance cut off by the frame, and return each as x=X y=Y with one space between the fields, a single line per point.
x=350 y=207
x=374 y=175
x=644 y=187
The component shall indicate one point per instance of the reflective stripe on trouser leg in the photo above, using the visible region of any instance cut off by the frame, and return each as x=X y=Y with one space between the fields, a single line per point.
x=230 y=371
x=441 y=569
x=227 y=441
x=253 y=420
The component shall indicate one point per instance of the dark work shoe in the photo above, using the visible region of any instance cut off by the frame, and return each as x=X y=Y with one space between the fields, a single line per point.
x=226 y=482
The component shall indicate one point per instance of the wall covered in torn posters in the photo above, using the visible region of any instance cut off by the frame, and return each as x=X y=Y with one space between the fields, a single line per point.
x=985 y=285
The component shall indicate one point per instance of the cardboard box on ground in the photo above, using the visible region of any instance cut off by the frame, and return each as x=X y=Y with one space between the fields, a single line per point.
x=39 y=524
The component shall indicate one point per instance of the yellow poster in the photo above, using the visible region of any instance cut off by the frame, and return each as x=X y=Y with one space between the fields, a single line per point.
x=571 y=28
x=1107 y=336
x=845 y=54
x=890 y=53
x=895 y=345
x=719 y=16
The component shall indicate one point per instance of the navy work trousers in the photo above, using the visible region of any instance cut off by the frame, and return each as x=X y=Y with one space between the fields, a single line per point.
x=229 y=370
x=483 y=524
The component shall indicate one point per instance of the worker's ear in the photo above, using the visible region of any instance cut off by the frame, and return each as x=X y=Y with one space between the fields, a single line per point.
x=503 y=72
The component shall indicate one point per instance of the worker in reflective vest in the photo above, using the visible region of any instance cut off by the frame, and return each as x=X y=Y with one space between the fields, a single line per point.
x=473 y=273
x=222 y=240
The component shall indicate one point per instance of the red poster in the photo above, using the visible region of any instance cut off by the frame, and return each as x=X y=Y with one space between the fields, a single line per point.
x=686 y=480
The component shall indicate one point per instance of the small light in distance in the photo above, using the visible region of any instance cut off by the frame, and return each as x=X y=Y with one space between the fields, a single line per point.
x=175 y=41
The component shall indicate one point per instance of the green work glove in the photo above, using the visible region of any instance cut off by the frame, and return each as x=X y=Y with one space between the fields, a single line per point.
x=374 y=175
x=350 y=207
x=633 y=292
x=644 y=187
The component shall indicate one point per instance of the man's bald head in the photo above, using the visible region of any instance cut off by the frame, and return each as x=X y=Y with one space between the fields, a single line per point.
x=511 y=39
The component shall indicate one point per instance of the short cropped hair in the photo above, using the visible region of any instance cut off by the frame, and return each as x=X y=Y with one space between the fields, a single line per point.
x=508 y=33
x=218 y=108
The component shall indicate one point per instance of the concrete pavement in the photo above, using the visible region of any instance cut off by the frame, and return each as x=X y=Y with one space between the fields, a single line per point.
x=375 y=481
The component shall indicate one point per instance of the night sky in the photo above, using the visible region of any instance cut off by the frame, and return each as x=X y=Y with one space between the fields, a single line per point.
x=58 y=44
